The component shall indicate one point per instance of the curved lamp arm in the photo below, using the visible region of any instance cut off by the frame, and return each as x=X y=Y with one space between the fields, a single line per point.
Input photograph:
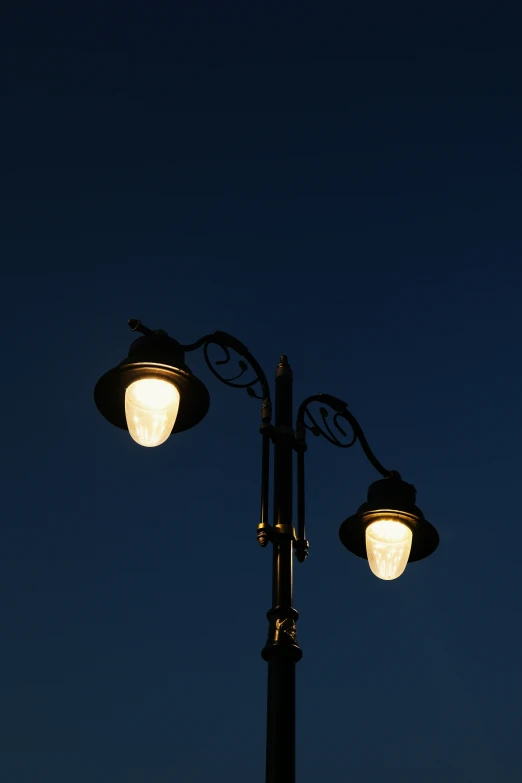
x=225 y=342
x=333 y=434
x=324 y=429
x=228 y=342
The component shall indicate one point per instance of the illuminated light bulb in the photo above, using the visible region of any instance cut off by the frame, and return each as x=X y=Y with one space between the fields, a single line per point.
x=388 y=546
x=151 y=407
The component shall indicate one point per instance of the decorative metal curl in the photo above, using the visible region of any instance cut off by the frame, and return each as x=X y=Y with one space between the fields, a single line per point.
x=325 y=430
x=226 y=342
x=307 y=421
x=243 y=366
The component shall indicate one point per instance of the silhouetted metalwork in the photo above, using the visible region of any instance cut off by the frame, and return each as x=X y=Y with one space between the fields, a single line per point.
x=301 y=543
x=306 y=421
x=226 y=342
x=341 y=412
x=158 y=355
x=281 y=650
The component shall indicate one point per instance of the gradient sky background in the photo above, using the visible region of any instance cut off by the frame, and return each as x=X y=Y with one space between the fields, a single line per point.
x=343 y=186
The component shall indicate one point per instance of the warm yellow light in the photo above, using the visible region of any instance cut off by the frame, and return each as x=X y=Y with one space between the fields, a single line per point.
x=151 y=407
x=388 y=546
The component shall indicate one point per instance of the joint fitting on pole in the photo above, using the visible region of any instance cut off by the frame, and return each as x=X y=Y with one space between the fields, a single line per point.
x=282 y=634
x=267 y=429
x=283 y=530
x=266 y=410
x=301 y=549
x=264 y=533
x=280 y=432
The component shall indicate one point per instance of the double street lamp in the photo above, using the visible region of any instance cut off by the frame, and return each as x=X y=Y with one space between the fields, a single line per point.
x=153 y=394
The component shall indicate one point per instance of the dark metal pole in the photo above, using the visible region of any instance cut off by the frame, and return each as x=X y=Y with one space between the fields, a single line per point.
x=282 y=651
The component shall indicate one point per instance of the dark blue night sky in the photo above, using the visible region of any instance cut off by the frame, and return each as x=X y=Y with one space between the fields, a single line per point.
x=340 y=185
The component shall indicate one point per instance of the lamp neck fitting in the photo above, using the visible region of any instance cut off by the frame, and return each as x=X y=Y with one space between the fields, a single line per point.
x=156 y=347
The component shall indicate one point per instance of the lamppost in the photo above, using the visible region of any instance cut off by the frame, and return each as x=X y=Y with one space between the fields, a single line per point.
x=153 y=394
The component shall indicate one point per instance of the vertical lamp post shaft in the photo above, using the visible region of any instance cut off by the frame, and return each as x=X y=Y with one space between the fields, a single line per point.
x=282 y=651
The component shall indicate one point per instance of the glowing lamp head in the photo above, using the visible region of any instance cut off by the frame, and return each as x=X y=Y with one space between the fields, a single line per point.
x=151 y=408
x=389 y=530
x=388 y=547
x=152 y=393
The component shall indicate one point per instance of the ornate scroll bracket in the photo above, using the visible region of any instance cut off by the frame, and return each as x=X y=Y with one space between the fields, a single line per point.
x=333 y=432
x=248 y=366
x=247 y=362
x=332 y=435
x=331 y=429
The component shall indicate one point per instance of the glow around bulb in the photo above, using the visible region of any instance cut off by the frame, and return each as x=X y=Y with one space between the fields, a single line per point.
x=388 y=546
x=151 y=407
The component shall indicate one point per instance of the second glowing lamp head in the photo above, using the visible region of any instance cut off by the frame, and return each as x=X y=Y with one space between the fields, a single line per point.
x=389 y=530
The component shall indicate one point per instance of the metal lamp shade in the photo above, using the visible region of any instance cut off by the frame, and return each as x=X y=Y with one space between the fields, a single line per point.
x=393 y=499
x=153 y=356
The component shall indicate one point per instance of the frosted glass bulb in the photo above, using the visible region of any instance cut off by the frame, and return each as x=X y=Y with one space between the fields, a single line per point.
x=151 y=407
x=388 y=546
